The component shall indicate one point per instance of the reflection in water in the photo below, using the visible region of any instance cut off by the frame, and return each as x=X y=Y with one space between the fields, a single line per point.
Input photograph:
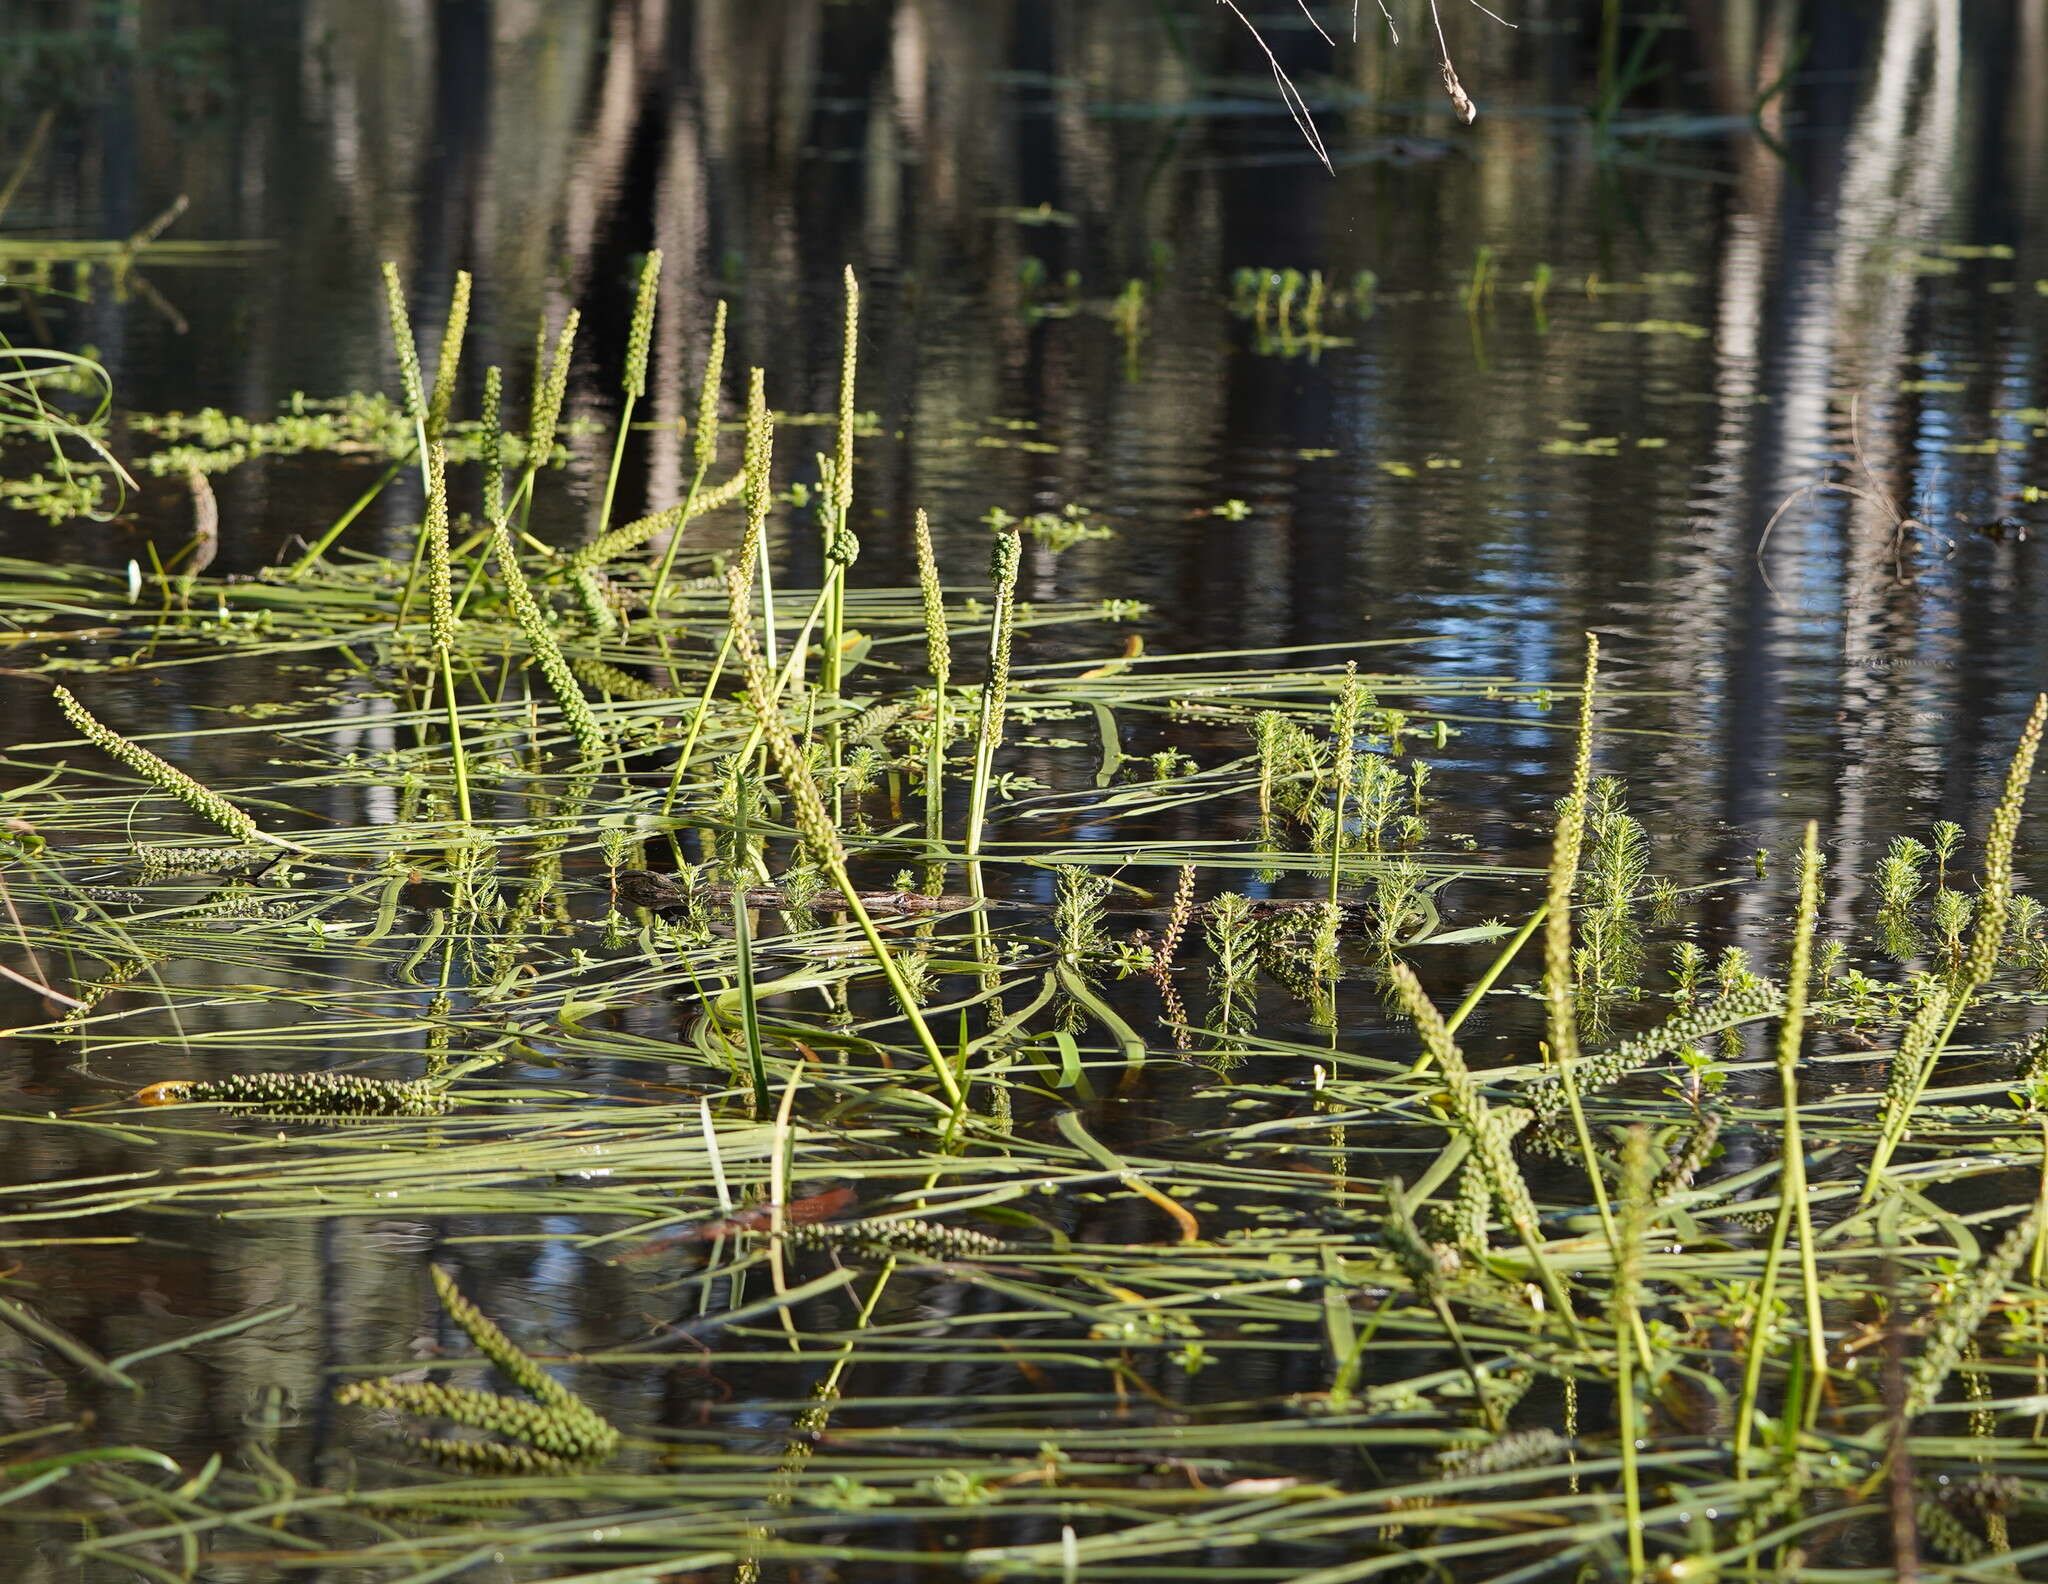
x=1487 y=480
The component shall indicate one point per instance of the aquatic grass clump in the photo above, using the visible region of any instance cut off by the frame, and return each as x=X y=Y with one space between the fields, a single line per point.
x=819 y=832
x=676 y=971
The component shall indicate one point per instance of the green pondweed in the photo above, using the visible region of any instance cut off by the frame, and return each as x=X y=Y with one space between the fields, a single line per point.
x=1901 y=874
x=1005 y=560
x=555 y=1429
x=448 y=366
x=1231 y=931
x=166 y=777
x=633 y=379
x=1077 y=913
x=1617 y=866
x=938 y=648
x=304 y=1094
x=703 y=453
x=590 y=1084
x=538 y=631
x=1947 y=840
x=1347 y=722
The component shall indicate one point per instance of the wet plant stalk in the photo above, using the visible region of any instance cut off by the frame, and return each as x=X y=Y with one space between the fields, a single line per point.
x=550 y=389
x=441 y=615
x=634 y=383
x=704 y=454
x=840 y=546
x=1792 y=1205
x=939 y=655
x=743 y=944
x=1626 y=1305
x=1560 y=992
x=759 y=469
x=1489 y=1143
x=819 y=832
x=166 y=777
x=1346 y=720
x=1004 y=564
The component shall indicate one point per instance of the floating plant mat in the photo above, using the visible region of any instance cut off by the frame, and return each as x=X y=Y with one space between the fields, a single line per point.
x=864 y=1118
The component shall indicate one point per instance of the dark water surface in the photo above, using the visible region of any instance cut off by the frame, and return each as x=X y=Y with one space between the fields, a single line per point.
x=1692 y=315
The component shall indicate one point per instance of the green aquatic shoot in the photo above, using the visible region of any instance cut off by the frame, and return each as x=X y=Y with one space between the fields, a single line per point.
x=703 y=453
x=633 y=383
x=165 y=776
x=938 y=648
x=840 y=547
x=1004 y=563
x=1793 y=1208
x=819 y=832
x=441 y=617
